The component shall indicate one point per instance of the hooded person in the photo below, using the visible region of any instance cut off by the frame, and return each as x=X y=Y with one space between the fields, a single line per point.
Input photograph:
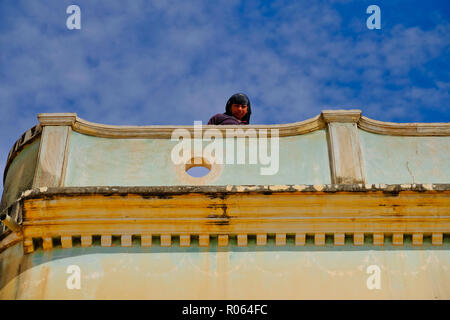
x=237 y=111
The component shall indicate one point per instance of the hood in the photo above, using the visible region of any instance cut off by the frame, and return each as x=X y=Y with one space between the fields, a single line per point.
x=239 y=98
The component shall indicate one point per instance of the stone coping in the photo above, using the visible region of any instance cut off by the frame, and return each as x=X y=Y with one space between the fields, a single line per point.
x=176 y=190
x=387 y=209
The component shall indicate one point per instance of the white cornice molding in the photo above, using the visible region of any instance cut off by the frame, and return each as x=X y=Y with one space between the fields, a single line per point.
x=165 y=132
x=347 y=116
x=57 y=119
x=404 y=129
x=289 y=129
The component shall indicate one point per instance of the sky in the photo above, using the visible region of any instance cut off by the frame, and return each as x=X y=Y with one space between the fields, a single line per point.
x=160 y=62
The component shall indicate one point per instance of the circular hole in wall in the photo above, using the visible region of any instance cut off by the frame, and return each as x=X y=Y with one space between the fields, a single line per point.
x=198 y=167
x=198 y=171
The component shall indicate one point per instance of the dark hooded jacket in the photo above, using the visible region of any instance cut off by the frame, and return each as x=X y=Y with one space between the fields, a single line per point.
x=227 y=118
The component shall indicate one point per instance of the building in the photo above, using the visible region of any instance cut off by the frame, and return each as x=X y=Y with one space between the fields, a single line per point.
x=357 y=209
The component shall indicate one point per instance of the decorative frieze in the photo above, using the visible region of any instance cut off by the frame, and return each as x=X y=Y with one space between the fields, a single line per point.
x=28 y=246
x=203 y=240
x=185 y=240
x=417 y=239
x=126 y=240
x=166 y=240
x=437 y=239
x=397 y=239
x=319 y=239
x=300 y=239
x=146 y=240
x=339 y=239
x=261 y=239
x=86 y=240
x=66 y=242
x=242 y=240
x=222 y=240
x=280 y=239
x=48 y=242
x=378 y=239
x=358 y=239
x=71 y=213
x=106 y=240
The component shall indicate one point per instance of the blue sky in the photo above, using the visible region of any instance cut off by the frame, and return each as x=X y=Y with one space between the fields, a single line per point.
x=137 y=62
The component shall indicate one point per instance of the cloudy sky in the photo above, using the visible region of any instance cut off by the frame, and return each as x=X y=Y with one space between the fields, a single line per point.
x=142 y=62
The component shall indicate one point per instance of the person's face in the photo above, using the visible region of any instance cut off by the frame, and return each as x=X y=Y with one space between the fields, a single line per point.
x=239 y=110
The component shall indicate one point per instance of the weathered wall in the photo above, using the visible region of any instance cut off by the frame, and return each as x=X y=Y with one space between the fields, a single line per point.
x=323 y=153
x=20 y=174
x=237 y=273
x=95 y=161
x=338 y=147
x=390 y=159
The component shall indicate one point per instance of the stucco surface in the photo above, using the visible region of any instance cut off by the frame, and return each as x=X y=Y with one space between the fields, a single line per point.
x=20 y=174
x=95 y=161
x=396 y=159
x=233 y=273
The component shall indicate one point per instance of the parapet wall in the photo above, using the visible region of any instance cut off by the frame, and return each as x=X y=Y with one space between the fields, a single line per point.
x=336 y=147
x=347 y=192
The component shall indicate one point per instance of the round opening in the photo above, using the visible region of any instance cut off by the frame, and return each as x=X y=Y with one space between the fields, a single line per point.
x=198 y=167
x=198 y=171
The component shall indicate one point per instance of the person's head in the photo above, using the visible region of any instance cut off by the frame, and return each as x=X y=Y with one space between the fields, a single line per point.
x=239 y=106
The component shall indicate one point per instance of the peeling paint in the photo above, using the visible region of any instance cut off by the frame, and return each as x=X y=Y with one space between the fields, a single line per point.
x=299 y=187
x=26 y=193
x=278 y=188
x=319 y=187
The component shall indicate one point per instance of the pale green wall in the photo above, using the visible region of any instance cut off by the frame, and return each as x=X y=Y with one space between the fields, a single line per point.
x=396 y=159
x=97 y=161
x=252 y=272
x=20 y=173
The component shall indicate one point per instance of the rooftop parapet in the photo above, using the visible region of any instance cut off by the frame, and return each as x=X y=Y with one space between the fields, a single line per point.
x=337 y=147
x=348 y=193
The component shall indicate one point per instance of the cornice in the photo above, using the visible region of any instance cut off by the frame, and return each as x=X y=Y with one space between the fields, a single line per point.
x=345 y=116
x=57 y=119
x=165 y=132
x=213 y=211
x=310 y=125
x=404 y=129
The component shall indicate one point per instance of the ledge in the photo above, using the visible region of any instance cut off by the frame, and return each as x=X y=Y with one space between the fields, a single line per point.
x=290 y=129
x=284 y=130
x=165 y=132
x=230 y=189
x=348 y=116
x=205 y=211
x=57 y=119
x=404 y=129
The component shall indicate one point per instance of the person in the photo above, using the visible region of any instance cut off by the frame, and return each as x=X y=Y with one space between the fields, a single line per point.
x=237 y=111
